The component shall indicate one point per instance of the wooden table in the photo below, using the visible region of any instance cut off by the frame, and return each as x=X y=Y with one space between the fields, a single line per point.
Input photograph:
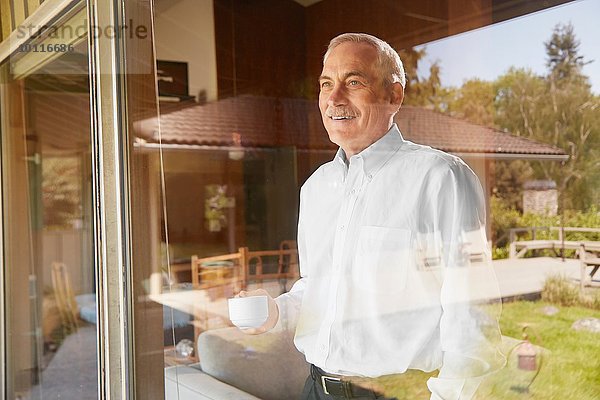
x=172 y=358
x=208 y=312
x=587 y=261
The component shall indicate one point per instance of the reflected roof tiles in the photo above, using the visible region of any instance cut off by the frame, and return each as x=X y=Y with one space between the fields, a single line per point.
x=268 y=122
x=459 y=136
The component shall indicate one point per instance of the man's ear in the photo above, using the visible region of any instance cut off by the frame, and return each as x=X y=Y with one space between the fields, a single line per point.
x=397 y=94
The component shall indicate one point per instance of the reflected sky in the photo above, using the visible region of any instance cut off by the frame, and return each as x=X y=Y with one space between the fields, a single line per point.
x=518 y=42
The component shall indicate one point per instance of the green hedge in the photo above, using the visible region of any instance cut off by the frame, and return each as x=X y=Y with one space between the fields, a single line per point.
x=504 y=218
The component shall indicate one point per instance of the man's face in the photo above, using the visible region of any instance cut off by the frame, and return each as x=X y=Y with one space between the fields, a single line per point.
x=356 y=107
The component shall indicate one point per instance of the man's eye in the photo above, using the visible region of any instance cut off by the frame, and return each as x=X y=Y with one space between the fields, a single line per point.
x=353 y=83
x=325 y=85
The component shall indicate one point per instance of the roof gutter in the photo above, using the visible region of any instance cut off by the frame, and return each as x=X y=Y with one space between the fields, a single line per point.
x=514 y=156
x=198 y=147
x=487 y=156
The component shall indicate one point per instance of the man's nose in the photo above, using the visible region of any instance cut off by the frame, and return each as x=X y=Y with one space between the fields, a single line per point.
x=337 y=97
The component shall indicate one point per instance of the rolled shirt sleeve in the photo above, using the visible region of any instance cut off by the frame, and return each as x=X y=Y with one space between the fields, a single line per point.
x=470 y=298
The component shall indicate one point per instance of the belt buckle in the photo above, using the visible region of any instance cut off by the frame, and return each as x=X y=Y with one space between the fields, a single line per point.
x=324 y=382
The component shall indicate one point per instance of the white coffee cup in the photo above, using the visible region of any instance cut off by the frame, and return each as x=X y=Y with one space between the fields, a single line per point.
x=248 y=312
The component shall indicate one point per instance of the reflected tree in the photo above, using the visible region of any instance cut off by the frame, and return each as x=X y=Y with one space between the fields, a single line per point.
x=61 y=192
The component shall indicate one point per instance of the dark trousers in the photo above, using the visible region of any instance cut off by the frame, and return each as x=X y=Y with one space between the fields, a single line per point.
x=313 y=390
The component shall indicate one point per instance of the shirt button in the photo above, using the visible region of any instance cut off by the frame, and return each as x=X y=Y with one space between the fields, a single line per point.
x=353 y=191
x=370 y=176
x=342 y=227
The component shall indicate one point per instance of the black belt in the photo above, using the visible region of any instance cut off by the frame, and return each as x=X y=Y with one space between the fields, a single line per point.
x=339 y=385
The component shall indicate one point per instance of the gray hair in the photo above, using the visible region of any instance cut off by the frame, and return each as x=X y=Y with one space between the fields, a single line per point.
x=388 y=59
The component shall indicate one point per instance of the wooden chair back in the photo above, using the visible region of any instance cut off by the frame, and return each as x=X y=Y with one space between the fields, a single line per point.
x=222 y=270
x=244 y=267
x=287 y=263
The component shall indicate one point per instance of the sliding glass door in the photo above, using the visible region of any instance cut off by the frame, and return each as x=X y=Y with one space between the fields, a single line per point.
x=51 y=341
x=80 y=228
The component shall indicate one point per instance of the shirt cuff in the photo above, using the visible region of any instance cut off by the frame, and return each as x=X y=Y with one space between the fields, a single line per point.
x=453 y=389
x=287 y=318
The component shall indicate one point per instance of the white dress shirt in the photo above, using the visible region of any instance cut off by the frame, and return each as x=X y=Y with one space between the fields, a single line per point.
x=395 y=268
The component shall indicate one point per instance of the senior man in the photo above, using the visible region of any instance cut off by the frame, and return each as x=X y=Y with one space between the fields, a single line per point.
x=386 y=236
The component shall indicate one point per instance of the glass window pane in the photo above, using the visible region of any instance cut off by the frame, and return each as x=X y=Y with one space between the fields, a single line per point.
x=239 y=132
x=49 y=266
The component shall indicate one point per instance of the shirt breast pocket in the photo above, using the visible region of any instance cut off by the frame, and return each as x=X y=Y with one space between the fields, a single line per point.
x=383 y=257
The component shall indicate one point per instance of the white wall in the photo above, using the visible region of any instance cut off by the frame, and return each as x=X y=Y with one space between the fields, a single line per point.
x=185 y=31
x=478 y=165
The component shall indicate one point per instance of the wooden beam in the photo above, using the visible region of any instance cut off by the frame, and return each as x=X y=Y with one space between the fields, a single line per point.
x=18 y=12
x=465 y=15
x=20 y=345
x=5 y=18
x=32 y=5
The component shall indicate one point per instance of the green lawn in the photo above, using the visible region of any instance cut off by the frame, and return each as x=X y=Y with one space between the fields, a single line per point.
x=570 y=365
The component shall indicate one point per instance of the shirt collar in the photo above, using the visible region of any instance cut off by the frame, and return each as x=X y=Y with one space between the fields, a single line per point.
x=377 y=154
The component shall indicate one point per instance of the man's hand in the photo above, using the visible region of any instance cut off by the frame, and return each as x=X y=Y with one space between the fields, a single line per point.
x=273 y=312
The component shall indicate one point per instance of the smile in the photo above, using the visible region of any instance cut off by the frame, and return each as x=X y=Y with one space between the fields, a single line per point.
x=341 y=118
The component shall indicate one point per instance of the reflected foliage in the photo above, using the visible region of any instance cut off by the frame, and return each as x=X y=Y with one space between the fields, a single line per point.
x=474 y=101
x=564 y=60
x=510 y=178
x=558 y=108
x=506 y=217
x=559 y=290
x=61 y=191
x=423 y=91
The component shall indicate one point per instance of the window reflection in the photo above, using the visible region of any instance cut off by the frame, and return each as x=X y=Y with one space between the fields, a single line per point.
x=239 y=132
x=49 y=264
